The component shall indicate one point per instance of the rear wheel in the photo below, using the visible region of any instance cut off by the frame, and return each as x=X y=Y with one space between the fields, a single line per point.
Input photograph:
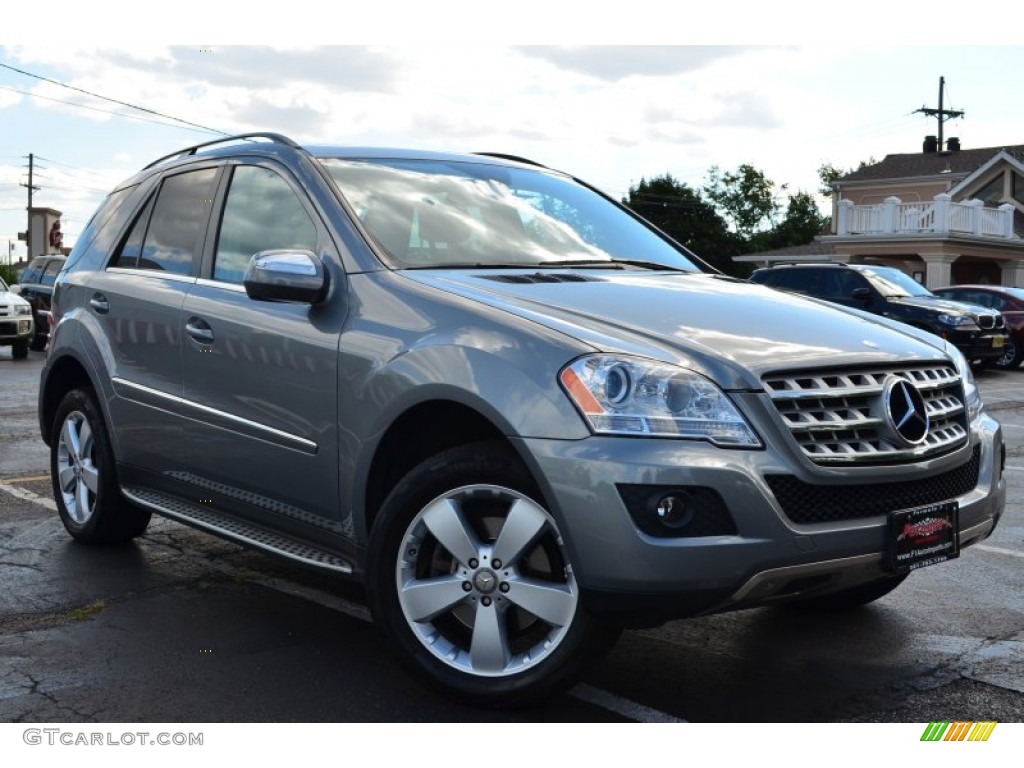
x=84 y=476
x=470 y=577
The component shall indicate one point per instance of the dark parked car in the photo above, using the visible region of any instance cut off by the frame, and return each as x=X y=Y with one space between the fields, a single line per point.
x=1006 y=300
x=36 y=287
x=978 y=332
x=520 y=415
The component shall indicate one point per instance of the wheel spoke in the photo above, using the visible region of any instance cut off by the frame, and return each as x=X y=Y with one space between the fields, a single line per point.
x=70 y=439
x=91 y=477
x=424 y=599
x=66 y=479
x=551 y=603
x=523 y=525
x=444 y=520
x=84 y=440
x=82 y=500
x=488 y=651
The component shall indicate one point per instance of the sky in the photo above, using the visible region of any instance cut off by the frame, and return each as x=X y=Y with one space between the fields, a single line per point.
x=611 y=114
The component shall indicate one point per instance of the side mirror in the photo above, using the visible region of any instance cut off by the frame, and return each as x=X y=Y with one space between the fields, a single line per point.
x=862 y=294
x=296 y=276
x=15 y=289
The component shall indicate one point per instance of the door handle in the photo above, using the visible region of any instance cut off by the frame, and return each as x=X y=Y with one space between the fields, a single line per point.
x=99 y=303
x=199 y=330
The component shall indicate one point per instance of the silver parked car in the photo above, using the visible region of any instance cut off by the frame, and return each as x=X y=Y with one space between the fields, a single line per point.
x=523 y=416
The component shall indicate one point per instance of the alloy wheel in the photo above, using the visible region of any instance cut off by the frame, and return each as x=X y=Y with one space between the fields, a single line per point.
x=483 y=581
x=77 y=475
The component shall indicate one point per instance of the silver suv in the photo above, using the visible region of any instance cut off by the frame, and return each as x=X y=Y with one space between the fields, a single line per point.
x=524 y=417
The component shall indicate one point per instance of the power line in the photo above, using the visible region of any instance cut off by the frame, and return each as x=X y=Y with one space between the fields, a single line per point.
x=114 y=101
x=97 y=109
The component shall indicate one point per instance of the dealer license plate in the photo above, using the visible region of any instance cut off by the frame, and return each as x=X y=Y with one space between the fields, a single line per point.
x=923 y=536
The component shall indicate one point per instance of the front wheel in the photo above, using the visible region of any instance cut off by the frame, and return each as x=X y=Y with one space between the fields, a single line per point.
x=1013 y=353
x=19 y=349
x=469 y=575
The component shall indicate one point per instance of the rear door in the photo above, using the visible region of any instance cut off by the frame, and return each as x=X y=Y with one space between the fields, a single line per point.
x=136 y=303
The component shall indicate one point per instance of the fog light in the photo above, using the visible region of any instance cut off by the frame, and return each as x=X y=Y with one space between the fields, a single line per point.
x=24 y=326
x=673 y=510
x=676 y=512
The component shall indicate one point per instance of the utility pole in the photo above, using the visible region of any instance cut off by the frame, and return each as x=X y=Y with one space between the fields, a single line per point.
x=31 y=188
x=940 y=114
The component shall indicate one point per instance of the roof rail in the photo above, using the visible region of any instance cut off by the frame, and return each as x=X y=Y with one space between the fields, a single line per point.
x=274 y=137
x=513 y=158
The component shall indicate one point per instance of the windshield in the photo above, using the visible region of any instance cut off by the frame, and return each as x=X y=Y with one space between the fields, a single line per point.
x=433 y=213
x=891 y=282
x=3 y=286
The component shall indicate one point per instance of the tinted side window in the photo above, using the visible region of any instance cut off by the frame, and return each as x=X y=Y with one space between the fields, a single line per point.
x=839 y=284
x=180 y=213
x=51 y=271
x=33 y=271
x=128 y=255
x=262 y=213
x=802 y=280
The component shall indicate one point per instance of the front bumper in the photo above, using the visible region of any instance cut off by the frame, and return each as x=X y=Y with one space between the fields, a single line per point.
x=979 y=345
x=15 y=328
x=769 y=557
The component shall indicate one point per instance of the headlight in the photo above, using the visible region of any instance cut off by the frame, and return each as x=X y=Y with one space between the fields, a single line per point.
x=971 y=393
x=957 y=321
x=22 y=309
x=620 y=395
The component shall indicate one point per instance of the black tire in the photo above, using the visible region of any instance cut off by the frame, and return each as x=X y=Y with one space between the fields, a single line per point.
x=19 y=349
x=850 y=599
x=1013 y=353
x=38 y=343
x=85 y=476
x=459 y=621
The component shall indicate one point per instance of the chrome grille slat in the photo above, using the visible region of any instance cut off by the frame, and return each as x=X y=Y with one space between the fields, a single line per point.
x=836 y=416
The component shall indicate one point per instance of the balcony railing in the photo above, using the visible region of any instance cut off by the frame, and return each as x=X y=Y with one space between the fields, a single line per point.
x=941 y=216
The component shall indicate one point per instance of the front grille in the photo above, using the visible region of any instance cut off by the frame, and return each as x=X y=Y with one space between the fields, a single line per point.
x=988 y=322
x=8 y=328
x=838 y=417
x=806 y=503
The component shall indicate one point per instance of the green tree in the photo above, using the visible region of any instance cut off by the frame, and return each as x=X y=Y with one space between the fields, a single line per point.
x=682 y=213
x=828 y=173
x=802 y=223
x=746 y=197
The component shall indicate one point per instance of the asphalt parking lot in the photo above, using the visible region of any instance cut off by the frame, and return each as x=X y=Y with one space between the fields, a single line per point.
x=182 y=627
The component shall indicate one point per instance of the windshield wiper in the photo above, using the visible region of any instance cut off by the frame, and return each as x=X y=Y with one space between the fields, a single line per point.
x=612 y=264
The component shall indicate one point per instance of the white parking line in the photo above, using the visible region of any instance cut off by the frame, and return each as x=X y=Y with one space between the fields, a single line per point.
x=35 y=498
x=999 y=550
x=1015 y=469
x=621 y=706
x=586 y=693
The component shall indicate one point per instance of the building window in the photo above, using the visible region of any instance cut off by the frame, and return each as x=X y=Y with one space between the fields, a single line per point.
x=991 y=193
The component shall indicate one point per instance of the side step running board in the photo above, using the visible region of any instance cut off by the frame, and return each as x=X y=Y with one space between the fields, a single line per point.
x=237 y=530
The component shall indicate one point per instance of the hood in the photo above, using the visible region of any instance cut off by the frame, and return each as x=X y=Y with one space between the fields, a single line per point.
x=11 y=299
x=729 y=329
x=937 y=304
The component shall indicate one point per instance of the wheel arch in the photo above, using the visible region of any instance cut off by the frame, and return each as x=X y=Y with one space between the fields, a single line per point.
x=63 y=375
x=421 y=431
